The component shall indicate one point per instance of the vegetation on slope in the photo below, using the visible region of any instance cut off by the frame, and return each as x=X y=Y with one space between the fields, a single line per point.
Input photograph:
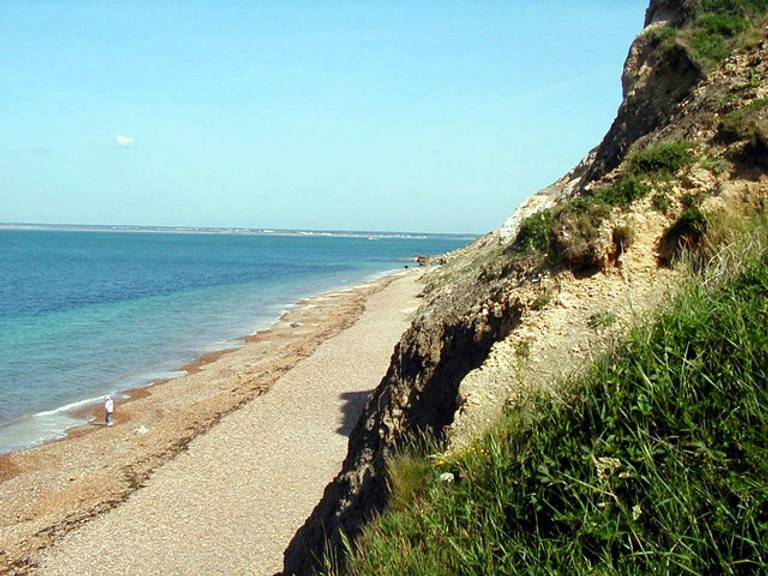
x=717 y=28
x=656 y=461
x=570 y=232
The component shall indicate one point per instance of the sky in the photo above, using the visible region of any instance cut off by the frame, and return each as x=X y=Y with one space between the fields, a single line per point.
x=331 y=115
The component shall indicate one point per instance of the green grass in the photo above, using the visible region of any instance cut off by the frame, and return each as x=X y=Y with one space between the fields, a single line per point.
x=718 y=27
x=715 y=32
x=628 y=189
x=541 y=301
x=734 y=7
x=664 y=36
x=660 y=202
x=602 y=319
x=535 y=232
x=758 y=104
x=742 y=124
x=655 y=462
x=662 y=159
x=710 y=48
x=723 y=25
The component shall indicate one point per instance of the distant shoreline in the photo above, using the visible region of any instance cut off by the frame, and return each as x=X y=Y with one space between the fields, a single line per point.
x=234 y=231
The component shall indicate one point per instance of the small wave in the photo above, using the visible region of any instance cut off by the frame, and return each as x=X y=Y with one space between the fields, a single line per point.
x=223 y=345
x=36 y=429
x=70 y=407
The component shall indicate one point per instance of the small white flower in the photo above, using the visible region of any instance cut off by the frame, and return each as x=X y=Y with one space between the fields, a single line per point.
x=447 y=477
x=605 y=466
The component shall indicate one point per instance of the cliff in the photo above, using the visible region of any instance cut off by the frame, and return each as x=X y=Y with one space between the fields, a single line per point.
x=689 y=140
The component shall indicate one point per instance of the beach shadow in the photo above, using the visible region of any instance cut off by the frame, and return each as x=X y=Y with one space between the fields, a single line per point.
x=354 y=402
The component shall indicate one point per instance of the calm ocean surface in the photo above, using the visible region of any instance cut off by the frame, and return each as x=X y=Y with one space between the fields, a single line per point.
x=83 y=314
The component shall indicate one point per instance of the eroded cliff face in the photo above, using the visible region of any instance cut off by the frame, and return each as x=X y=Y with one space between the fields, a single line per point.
x=672 y=12
x=654 y=83
x=479 y=296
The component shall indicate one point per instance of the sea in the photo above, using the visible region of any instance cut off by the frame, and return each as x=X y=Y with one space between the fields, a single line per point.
x=85 y=313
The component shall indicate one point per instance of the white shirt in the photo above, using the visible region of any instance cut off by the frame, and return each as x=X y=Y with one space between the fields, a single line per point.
x=109 y=405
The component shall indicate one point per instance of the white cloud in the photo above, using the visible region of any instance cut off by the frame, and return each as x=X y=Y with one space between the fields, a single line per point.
x=123 y=140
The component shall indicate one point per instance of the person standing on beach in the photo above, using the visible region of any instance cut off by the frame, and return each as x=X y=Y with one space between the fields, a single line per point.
x=109 y=406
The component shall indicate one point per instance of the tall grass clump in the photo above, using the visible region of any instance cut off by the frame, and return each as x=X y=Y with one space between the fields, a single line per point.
x=628 y=189
x=734 y=7
x=662 y=159
x=664 y=36
x=743 y=123
x=719 y=23
x=654 y=462
x=535 y=232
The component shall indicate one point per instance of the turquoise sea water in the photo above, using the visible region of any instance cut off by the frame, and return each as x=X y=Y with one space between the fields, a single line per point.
x=83 y=314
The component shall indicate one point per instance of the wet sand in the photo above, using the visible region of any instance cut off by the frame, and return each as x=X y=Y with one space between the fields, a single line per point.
x=254 y=400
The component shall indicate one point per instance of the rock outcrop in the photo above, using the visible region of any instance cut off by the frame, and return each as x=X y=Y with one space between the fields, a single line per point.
x=654 y=83
x=671 y=12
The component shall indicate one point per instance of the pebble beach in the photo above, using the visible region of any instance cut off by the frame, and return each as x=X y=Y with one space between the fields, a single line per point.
x=212 y=472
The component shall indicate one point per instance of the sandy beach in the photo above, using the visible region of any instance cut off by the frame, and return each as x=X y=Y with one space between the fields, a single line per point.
x=212 y=472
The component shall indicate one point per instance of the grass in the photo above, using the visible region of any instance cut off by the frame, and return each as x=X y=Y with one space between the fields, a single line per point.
x=535 y=232
x=655 y=462
x=577 y=222
x=662 y=160
x=602 y=319
x=660 y=202
x=664 y=36
x=720 y=24
x=628 y=189
x=719 y=27
x=742 y=124
x=541 y=301
x=713 y=163
x=734 y=7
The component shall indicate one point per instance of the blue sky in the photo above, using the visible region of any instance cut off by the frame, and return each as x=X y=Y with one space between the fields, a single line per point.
x=423 y=116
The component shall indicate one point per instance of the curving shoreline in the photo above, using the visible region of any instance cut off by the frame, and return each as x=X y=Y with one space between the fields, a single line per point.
x=56 y=421
x=48 y=490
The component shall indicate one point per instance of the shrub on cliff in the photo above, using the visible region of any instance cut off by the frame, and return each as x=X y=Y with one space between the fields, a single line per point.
x=734 y=7
x=748 y=124
x=580 y=237
x=578 y=232
x=535 y=232
x=628 y=189
x=713 y=34
x=685 y=234
x=662 y=159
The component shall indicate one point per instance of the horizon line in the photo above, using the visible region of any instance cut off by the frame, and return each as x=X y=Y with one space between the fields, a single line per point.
x=243 y=230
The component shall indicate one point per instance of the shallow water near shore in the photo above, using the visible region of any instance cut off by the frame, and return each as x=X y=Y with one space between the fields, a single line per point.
x=83 y=314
